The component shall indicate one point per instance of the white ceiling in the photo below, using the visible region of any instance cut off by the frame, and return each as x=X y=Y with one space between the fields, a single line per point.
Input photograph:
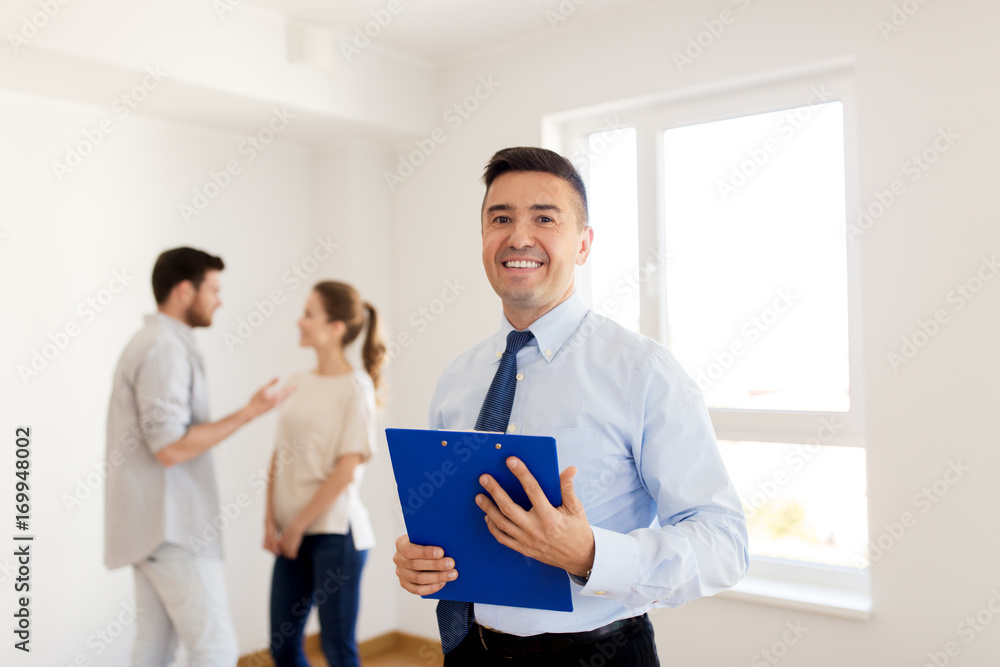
x=440 y=30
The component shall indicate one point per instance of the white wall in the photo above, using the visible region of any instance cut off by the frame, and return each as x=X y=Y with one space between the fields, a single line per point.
x=938 y=70
x=116 y=212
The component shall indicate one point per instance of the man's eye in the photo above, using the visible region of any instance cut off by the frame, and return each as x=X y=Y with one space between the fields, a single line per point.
x=501 y=218
x=545 y=218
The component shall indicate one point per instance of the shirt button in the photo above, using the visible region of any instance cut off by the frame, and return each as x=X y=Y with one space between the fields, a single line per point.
x=520 y=376
x=600 y=592
x=499 y=354
x=512 y=428
x=548 y=353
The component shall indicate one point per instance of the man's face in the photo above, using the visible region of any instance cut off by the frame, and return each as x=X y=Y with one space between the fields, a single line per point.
x=532 y=241
x=206 y=300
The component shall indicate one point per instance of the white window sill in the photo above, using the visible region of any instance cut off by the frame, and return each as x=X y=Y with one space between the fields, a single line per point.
x=845 y=594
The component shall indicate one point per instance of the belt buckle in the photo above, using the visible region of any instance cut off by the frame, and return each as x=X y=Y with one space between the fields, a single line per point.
x=482 y=640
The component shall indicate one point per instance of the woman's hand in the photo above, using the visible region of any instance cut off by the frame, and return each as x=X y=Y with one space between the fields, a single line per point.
x=271 y=539
x=290 y=541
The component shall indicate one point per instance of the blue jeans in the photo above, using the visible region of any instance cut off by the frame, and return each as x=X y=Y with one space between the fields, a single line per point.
x=327 y=572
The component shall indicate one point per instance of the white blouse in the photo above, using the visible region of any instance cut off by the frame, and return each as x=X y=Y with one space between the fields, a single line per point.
x=326 y=417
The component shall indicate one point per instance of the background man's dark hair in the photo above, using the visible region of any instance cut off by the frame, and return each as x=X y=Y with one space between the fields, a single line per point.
x=530 y=158
x=179 y=264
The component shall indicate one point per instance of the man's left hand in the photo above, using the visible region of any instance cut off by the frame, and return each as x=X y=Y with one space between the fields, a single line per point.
x=559 y=536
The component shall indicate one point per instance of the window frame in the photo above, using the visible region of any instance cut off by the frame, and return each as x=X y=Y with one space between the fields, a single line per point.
x=651 y=116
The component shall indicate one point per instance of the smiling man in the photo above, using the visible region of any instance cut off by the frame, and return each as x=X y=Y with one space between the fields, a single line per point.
x=656 y=522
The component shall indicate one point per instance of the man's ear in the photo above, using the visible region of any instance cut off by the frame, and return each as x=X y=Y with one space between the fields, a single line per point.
x=586 y=239
x=183 y=292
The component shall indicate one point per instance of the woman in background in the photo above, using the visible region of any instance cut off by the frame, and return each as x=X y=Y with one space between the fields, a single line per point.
x=315 y=523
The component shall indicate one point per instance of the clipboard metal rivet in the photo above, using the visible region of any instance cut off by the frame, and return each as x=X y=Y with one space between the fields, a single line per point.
x=498 y=445
x=444 y=443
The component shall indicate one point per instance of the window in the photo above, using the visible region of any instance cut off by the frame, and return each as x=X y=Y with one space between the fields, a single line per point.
x=722 y=215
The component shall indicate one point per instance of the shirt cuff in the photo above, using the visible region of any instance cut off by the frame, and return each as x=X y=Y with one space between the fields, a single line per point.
x=616 y=565
x=163 y=435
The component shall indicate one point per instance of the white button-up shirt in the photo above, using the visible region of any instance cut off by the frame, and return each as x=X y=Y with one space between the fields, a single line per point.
x=158 y=393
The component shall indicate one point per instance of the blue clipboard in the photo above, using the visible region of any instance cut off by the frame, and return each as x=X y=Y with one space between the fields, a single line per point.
x=437 y=476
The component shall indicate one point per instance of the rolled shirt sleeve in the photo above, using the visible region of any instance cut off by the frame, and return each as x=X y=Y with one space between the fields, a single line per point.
x=163 y=395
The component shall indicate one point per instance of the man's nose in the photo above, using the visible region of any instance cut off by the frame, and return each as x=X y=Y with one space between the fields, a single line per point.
x=521 y=236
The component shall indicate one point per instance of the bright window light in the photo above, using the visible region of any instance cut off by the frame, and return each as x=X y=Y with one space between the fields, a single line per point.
x=756 y=284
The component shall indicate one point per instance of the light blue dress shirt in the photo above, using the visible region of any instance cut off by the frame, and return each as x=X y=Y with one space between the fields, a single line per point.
x=668 y=524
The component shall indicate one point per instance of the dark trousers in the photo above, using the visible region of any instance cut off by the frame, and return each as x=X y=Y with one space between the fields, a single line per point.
x=624 y=649
x=326 y=573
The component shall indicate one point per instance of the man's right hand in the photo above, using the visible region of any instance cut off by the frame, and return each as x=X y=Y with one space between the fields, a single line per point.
x=422 y=570
x=267 y=398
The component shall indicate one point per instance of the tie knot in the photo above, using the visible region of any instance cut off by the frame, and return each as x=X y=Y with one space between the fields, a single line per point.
x=517 y=339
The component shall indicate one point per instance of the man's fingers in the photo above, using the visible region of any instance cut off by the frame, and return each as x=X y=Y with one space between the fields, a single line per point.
x=423 y=578
x=429 y=589
x=569 y=499
x=425 y=565
x=496 y=517
x=528 y=482
x=507 y=506
x=504 y=538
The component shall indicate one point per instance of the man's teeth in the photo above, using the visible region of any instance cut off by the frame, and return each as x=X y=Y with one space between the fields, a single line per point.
x=521 y=264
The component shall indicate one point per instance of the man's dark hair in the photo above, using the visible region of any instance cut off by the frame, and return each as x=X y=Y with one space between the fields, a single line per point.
x=530 y=158
x=179 y=264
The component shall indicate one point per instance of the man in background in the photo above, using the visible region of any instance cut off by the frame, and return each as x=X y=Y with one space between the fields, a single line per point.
x=161 y=482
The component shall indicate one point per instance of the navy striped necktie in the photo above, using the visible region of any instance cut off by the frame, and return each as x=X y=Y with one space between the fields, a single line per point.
x=454 y=617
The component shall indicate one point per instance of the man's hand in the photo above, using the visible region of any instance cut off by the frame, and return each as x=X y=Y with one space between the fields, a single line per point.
x=266 y=398
x=559 y=536
x=422 y=570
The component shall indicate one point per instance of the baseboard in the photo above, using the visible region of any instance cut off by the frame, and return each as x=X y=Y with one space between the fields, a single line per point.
x=369 y=648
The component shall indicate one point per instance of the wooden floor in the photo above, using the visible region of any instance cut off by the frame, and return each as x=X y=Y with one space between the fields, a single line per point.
x=395 y=649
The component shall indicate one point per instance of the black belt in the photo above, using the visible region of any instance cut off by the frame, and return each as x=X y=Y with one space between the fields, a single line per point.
x=512 y=646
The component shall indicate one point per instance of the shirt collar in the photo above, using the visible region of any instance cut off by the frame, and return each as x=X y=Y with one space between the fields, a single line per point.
x=551 y=330
x=185 y=332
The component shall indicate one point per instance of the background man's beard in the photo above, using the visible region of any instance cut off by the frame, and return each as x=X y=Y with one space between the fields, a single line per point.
x=193 y=318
